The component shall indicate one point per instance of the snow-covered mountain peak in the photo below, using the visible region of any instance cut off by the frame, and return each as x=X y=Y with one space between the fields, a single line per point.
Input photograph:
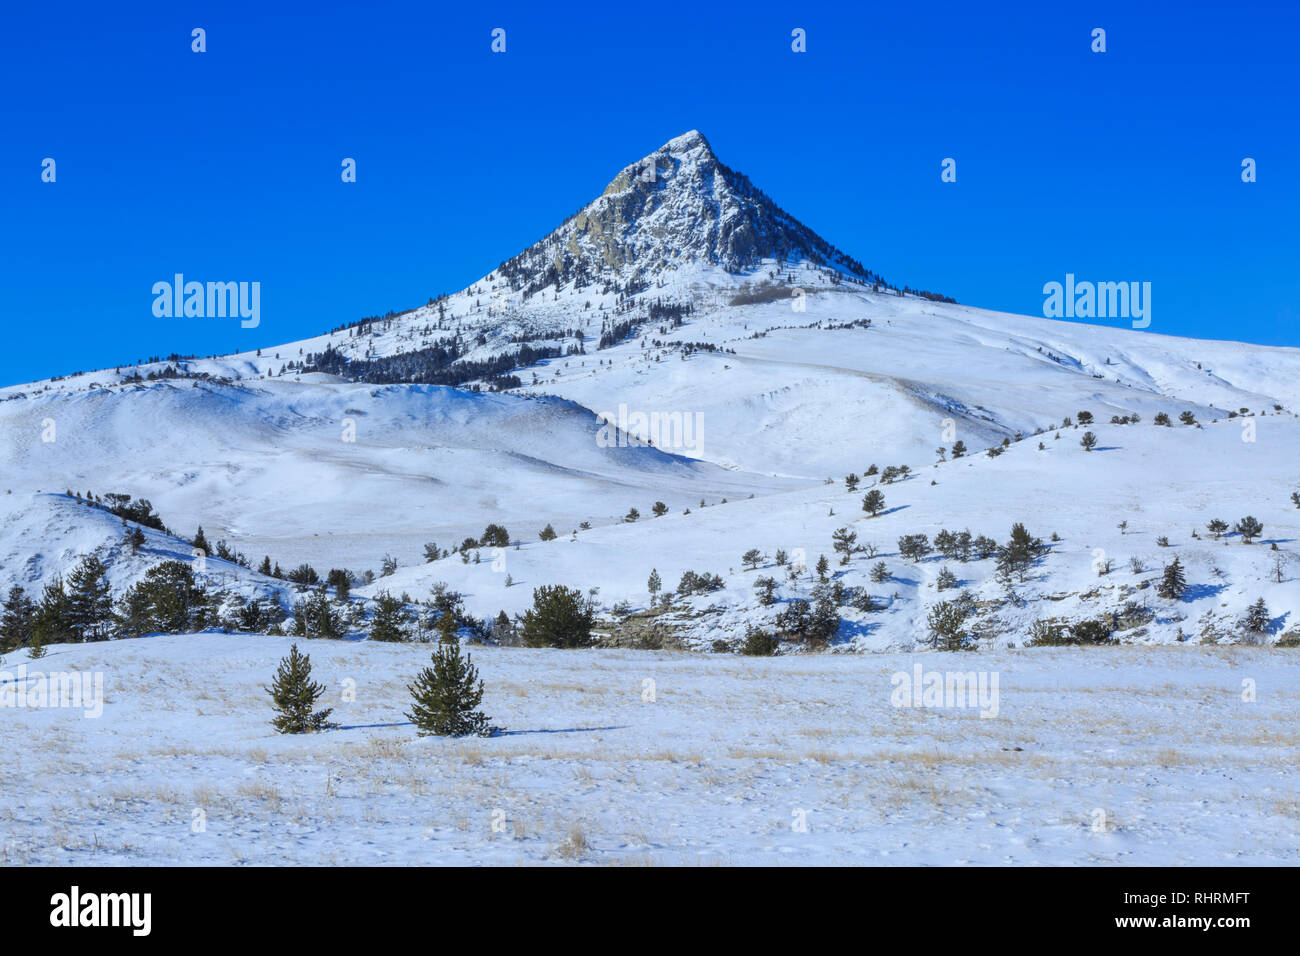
x=678 y=206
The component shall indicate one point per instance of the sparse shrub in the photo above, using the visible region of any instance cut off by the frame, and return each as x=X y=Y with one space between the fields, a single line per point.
x=759 y=643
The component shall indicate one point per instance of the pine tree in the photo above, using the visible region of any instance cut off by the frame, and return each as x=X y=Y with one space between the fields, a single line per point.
x=1217 y=526
x=90 y=600
x=390 y=619
x=1173 y=583
x=1249 y=527
x=176 y=603
x=444 y=697
x=547 y=533
x=822 y=567
x=559 y=617
x=873 y=502
x=1088 y=441
x=52 y=624
x=1257 y=619
x=16 y=621
x=654 y=583
x=200 y=542
x=947 y=625
x=844 y=542
x=316 y=617
x=294 y=695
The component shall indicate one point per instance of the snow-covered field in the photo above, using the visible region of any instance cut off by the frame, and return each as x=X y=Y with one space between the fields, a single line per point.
x=1141 y=756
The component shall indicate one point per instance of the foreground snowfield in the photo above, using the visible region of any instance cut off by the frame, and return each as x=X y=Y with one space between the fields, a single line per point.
x=1127 y=755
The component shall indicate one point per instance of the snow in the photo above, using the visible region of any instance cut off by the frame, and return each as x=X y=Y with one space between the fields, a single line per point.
x=1130 y=756
x=823 y=373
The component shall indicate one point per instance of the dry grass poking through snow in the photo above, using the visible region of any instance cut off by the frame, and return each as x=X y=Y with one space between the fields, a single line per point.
x=1109 y=755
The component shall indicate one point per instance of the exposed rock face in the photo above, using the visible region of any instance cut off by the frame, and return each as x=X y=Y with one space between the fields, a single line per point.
x=677 y=206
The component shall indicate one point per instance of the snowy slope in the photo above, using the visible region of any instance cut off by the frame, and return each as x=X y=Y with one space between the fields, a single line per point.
x=822 y=368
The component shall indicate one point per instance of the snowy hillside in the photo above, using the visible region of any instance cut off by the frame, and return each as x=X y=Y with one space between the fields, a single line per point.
x=686 y=309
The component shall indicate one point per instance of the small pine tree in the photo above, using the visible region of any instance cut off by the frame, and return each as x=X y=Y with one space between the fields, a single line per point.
x=1173 y=583
x=1088 y=441
x=200 y=541
x=654 y=583
x=294 y=695
x=560 y=617
x=879 y=572
x=1249 y=527
x=547 y=533
x=17 y=619
x=390 y=619
x=1257 y=619
x=873 y=502
x=1216 y=526
x=445 y=697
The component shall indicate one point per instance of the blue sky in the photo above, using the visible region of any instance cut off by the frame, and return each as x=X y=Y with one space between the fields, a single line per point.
x=225 y=165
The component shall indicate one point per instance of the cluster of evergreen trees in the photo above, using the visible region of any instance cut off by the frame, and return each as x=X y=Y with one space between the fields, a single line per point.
x=82 y=608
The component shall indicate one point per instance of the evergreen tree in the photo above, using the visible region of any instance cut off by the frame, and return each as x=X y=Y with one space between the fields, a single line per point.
x=294 y=695
x=844 y=542
x=265 y=567
x=654 y=583
x=547 y=533
x=340 y=579
x=90 y=600
x=390 y=619
x=1257 y=619
x=52 y=622
x=200 y=541
x=1249 y=527
x=495 y=536
x=135 y=539
x=879 y=572
x=559 y=617
x=16 y=621
x=1173 y=583
x=659 y=509
x=947 y=624
x=958 y=449
x=751 y=558
x=445 y=697
x=176 y=603
x=873 y=502
x=822 y=567
x=914 y=546
x=316 y=617
x=1216 y=526
x=1088 y=441
x=132 y=615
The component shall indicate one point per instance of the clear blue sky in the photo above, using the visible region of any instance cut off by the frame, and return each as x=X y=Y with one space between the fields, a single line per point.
x=225 y=165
